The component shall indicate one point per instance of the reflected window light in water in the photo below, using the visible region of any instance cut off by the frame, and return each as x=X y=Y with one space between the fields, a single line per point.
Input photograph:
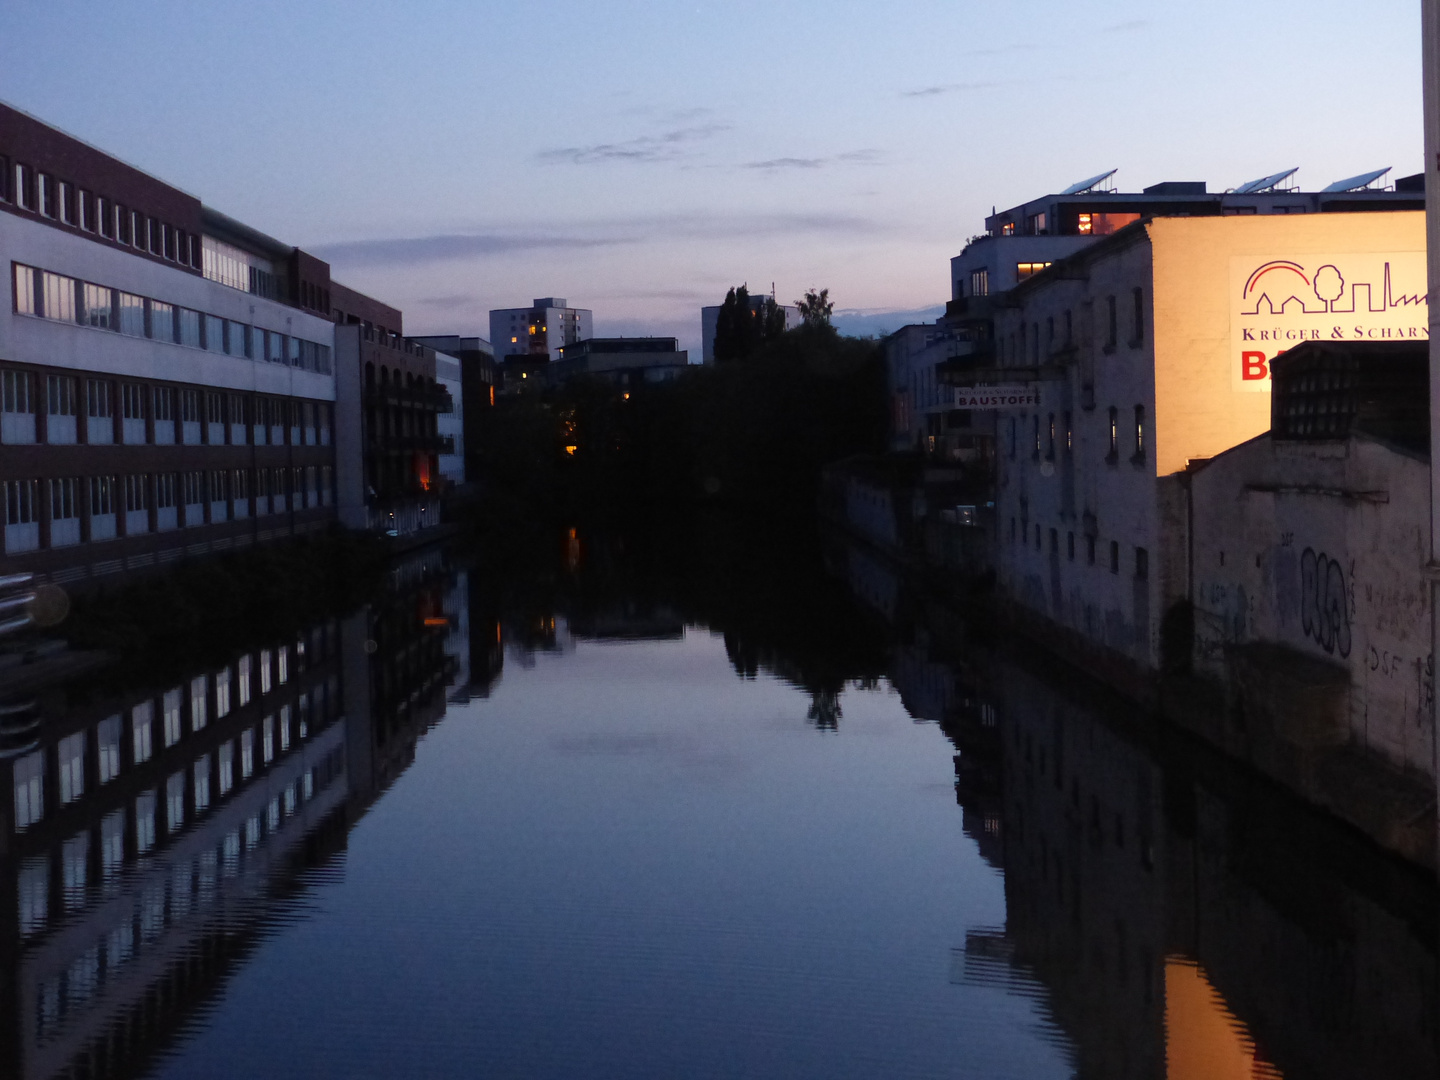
x=1203 y=1039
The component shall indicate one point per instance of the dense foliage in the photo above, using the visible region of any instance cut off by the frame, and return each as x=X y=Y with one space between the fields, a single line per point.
x=752 y=432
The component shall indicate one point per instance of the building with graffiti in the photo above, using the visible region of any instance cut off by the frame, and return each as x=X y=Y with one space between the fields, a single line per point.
x=1152 y=351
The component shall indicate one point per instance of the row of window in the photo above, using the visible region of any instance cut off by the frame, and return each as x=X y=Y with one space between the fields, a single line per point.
x=1047 y=437
x=1026 y=340
x=189 y=887
x=233 y=686
x=60 y=298
x=61 y=201
x=178 y=500
x=209 y=416
x=1019 y=535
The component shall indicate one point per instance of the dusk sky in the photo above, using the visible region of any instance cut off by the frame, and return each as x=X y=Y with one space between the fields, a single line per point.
x=638 y=158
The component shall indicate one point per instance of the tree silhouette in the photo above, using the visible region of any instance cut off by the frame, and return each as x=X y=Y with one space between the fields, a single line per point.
x=743 y=326
x=1329 y=285
x=815 y=309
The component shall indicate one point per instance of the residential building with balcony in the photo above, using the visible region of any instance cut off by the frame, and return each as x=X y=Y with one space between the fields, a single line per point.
x=387 y=436
x=167 y=377
x=472 y=388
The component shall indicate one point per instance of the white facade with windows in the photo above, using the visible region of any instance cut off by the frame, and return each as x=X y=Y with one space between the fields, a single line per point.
x=451 y=425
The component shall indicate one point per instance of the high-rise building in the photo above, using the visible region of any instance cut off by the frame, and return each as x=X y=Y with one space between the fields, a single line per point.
x=527 y=338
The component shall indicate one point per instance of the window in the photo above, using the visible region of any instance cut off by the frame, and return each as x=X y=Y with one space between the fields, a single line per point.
x=222 y=693
x=64 y=504
x=137 y=492
x=1089 y=551
x=112 y=851
x=27 y=296
x=20 y=508
x=226 y=758
x=64 y=194
x=139 y=232
x=247 y=753
x=242 y=680
x=144 y=822
x=1114 y=433
x=192 y=488
x=282 y=664
x=29 y=776
x=1114 y=557
x=102 y=495
x=1094 y=224
x=58 y=296
x=1142 y=564
x=1028 y=269
x=47 y=195
x=1050 y=450
x=105 y=211
x=175 y=802
x=155 y=237
x=164 y=399
x=98 y=405
x=60 y=395
x=1112 y=331
x=172 y=716
x=162 y=321
x=71 y=754
x=214 y=334
x=198 y=717
x=202 y=784
x=284 y=728
x=99 y=307
x=237 y=339
x=215 y=408
x=190 y=406
x=1139 y=433
x=130 y=317
x=132 y=401
x=141 y=738
x=1139 y=328
x=25 y=186
x=165 y=491
x=107 y=741
x=188 y=327
x=267 y=740
x=264 y=671
x=87 y=211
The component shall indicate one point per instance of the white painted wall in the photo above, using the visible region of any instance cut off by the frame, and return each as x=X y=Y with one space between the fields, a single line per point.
x=447 y=374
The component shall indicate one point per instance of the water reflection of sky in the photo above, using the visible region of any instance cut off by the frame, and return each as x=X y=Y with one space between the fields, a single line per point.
x=630 y=862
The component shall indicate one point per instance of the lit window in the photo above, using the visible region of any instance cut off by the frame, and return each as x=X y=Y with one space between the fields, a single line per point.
x=198 y=715
x=172 y=716
x=1028 y=269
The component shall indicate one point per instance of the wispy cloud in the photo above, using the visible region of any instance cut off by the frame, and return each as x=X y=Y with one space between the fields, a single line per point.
x=646 y=149
x=946 y=88
x=850 y=157
x=592 y=235
x=423 y=249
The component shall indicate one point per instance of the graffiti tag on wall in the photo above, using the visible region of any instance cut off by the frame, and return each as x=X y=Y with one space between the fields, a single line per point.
x=1324 y=603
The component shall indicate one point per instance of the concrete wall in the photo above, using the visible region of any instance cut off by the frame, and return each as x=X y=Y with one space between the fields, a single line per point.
x=1320 y=547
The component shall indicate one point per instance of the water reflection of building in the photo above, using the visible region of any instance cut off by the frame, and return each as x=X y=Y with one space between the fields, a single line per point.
x=154 y=834
x=1174 y=915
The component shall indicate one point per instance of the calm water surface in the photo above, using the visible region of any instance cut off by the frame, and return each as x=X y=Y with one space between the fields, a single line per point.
x=739 y=817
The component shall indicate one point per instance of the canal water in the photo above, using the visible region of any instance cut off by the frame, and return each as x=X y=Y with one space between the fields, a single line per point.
x=721 y=804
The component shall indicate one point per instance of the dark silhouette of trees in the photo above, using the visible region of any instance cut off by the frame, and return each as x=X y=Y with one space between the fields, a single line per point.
x=744 y=325
x=815 y=308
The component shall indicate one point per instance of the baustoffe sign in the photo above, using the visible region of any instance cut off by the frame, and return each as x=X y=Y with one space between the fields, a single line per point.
x=1275 y=304
x=997 y=397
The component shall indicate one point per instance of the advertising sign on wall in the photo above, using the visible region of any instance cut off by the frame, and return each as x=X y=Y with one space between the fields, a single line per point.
x=1275 y=304
x=997 y=397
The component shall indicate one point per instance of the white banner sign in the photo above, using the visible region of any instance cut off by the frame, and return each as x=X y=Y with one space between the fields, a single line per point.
x=1275 y=304
x=997 y=397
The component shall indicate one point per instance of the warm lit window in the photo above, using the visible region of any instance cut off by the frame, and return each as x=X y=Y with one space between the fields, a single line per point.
x=1028 y=269
x=1098 y=224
